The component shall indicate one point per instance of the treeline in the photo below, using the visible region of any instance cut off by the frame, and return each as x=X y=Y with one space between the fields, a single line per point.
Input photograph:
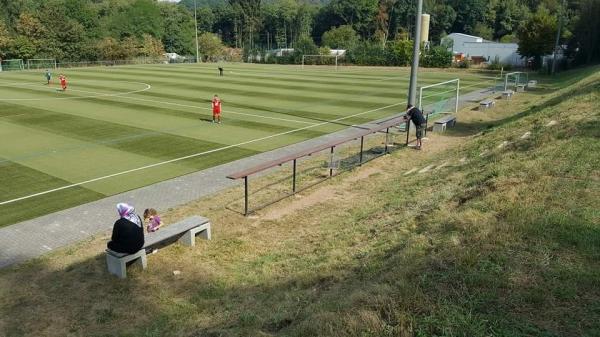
x=374 y=31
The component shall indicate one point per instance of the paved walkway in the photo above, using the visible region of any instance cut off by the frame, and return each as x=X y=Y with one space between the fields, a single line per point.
x=32 y=238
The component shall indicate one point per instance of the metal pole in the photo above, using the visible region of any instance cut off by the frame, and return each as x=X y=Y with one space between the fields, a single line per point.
x=196 y=29
x=331 y=163
x=387 y=134
x=457 y=94
x=362 y=141
x=560 y=23
x=412 y=91
x=245 y=195
x=294 y=178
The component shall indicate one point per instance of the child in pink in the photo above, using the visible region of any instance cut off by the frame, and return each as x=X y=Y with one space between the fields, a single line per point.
x=152 y=220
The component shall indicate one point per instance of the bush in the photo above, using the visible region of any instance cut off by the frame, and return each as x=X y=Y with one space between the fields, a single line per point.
x=401 y=52
x=436 y=57
x=465 y=64
x=368 y=53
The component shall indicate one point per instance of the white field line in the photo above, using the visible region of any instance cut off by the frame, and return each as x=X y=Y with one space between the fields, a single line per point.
x=97 y=94
x=195 y=155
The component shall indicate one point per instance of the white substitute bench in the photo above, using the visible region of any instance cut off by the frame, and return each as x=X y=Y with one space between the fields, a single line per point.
x=185 y=231
x=487 y=104
x=441 y=124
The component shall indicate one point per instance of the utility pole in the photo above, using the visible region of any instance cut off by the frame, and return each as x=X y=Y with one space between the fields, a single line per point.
x=412 y=91
x=196 y=30
x=560 y=23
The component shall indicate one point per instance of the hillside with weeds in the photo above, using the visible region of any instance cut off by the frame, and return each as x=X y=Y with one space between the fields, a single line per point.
x=492 y=230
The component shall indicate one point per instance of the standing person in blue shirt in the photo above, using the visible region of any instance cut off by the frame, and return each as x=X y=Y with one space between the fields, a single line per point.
x=416 y=116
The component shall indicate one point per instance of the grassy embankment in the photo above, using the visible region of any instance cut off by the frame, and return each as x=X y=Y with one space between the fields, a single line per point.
x=498 y=236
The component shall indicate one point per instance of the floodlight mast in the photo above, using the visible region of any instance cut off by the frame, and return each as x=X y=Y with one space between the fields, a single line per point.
x=412 y=91
x=196 y=30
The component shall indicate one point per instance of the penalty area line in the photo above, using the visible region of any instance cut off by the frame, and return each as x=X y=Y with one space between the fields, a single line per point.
x=194 y=155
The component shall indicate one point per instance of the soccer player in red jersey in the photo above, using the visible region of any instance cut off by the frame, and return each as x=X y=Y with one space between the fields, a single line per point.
x=63 y=82
x=216 y=108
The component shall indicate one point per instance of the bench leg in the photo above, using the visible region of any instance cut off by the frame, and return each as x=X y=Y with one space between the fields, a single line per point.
x=188 y=239
x=142 y=261
x=116 y=266
x=205 y=234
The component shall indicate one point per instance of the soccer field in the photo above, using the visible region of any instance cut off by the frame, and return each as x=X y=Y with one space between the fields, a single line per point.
x=120 y=128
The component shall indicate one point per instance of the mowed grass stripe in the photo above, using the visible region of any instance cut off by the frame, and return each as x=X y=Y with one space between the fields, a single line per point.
x=257 y=81
x=276 y=93
x=131 y=139
x=17 y=180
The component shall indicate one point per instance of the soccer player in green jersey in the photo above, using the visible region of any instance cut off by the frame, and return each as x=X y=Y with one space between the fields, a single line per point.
x=48 y=76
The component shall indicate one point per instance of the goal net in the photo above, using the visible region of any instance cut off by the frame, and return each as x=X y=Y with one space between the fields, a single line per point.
x=439 y=97
x=329 y=60
x=41 y=64
x=514 y=79
x=12 y=65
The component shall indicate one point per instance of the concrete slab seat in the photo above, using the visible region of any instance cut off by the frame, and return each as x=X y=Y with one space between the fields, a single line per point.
x=487 y=104
x=441 y=124
x=507 y=94
x=185 y=231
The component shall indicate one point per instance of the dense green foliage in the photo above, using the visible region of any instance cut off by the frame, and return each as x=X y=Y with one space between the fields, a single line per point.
x=71 y=30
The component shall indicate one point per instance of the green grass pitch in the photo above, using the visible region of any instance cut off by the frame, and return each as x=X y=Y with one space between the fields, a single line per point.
x=116 y=119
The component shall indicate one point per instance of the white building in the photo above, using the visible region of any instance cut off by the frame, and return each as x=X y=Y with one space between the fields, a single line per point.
x=465 y=46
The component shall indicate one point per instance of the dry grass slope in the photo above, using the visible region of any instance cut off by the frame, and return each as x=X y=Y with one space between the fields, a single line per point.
x=501 y=237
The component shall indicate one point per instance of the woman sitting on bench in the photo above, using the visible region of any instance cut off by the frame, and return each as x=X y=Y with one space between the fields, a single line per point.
x=128 y=232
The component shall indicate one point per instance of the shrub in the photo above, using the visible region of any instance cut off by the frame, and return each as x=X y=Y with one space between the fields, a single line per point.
x=436 y=57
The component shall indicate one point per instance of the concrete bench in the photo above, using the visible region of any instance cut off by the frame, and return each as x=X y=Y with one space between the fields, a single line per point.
x=532 y=84
x=507 y=94
x=185 y=231
x=487 y=104
x=520 y=87
x=441 y=124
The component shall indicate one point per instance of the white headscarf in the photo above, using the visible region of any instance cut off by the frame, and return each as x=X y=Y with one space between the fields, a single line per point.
x=128 y=212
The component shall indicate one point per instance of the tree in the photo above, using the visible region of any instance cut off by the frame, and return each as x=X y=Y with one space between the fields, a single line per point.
x=304 y=46
x=360 y=14
x=141 y=17
x=110 y=49
x=468 y=13
x=151 y=46
x=508 y=16
x=537 y=36
x=5 y=40
x=179 y=33
x=442 y=19
x=587 y=31
x=383 y=20
x=483 y=31
x=342 y=37
x=211 y=47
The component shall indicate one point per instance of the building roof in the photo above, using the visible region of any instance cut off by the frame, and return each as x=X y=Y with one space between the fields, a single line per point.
x=465 y=35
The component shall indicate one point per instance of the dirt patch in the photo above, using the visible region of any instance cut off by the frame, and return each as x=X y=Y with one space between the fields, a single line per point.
x=363 y=173
x=299 y=202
